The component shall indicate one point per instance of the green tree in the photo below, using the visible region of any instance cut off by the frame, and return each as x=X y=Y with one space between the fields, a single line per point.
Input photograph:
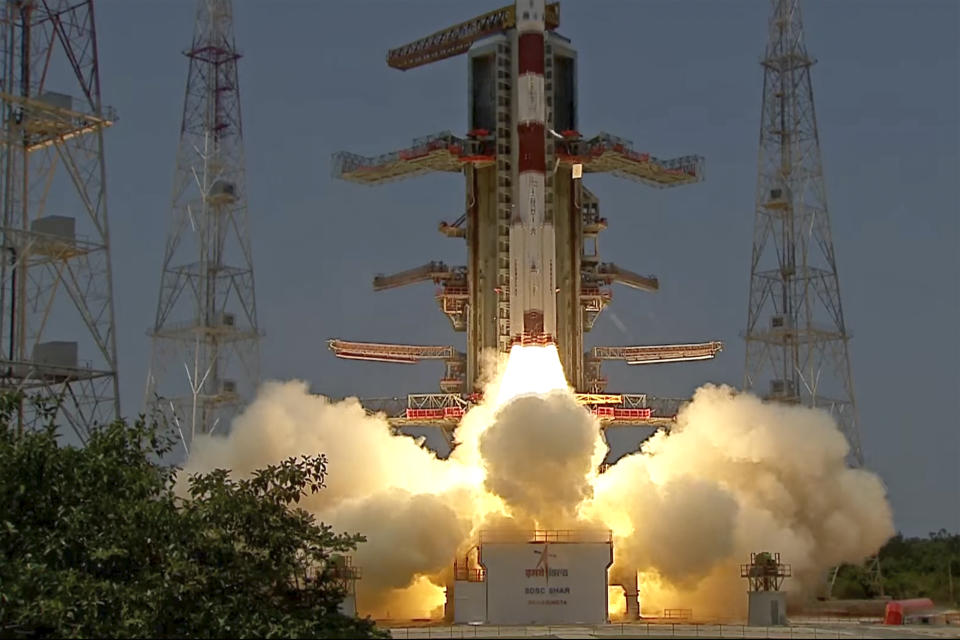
x=95 y=542
x=911 y=568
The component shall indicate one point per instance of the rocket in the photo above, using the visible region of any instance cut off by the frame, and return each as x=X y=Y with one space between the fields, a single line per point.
x=533 y=288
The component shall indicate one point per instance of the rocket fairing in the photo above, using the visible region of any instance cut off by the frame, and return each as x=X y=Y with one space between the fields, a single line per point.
x=533 y=297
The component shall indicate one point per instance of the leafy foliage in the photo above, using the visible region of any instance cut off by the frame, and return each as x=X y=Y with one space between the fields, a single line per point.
x=96 y=542
x=910 y=568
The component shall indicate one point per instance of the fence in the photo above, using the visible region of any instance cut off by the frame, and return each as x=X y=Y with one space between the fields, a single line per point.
x=645 y=630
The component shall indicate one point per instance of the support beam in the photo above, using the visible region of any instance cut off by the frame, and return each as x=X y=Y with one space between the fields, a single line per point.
x=605 y=153
x=435 y=271
x=651 y=354
x=457 y=39
x=381 y=352
x=610 y=273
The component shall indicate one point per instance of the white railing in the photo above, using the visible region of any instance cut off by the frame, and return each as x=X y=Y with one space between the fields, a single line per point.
x=847 y=629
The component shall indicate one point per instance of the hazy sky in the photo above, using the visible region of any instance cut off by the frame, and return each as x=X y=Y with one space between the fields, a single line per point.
x=675 y=77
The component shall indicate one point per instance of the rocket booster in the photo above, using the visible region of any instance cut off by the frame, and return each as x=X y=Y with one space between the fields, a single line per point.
x=533 y=297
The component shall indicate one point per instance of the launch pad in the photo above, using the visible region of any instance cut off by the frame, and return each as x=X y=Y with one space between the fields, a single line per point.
x=533 y=274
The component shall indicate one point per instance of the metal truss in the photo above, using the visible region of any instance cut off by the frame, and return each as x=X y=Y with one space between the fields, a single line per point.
x=446 y=409
x=382 y=352
x=435 y=271
x=445 y=152
x=651 y=354
x=205 y=359
x=57 y=337
x=605 y=153
x=797 y=342
x=457 y=39
x=454 y=361
x=442 y=152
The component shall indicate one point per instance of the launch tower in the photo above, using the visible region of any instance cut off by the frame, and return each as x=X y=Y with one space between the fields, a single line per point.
x=57 y=337
x=797 y=341
x=205 y=336
x=533 y=270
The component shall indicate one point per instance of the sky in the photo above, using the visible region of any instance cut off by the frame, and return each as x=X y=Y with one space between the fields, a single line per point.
x=675 y=77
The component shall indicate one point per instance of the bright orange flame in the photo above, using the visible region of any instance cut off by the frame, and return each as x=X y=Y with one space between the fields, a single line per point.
x=616 y=602
x=655 y=593
x=422 y=599
x=531 y=370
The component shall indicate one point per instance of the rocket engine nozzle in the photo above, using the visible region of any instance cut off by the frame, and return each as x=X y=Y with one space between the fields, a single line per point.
x=533 y=322
x=527 y=339
x=533 y=333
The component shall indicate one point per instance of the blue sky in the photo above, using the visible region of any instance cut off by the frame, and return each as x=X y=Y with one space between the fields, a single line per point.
x=676 y=77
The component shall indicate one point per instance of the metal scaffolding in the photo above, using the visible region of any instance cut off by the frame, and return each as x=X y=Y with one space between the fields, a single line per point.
x=57 y=336
x=476 y=297
x=797 y=341
x=205 y=336
x=649 y=354
x=445 y=410
x=445 y=152
x=765 y=571
x=455 y=40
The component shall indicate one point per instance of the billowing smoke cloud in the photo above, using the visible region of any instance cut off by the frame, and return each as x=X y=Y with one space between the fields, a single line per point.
x=734 y=476
x=286 y=420
x=413 y=508
x=683 y=527
x=408 y=536
x=540 y=454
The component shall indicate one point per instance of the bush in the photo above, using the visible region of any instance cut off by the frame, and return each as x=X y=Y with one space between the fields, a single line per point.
x=95 y=543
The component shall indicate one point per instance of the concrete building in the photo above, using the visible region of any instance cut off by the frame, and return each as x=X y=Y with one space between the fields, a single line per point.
x=766 y=603
x=540 y=577
x=766 y=608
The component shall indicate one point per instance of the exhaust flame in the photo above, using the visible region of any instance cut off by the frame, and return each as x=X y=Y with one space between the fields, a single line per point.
x=531 y=370
x=734 y=475
x=616 y=602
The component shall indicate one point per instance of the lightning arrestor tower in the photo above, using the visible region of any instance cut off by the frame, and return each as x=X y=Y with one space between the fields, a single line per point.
x=205 y=336
x=56 y=302
x=797 y=342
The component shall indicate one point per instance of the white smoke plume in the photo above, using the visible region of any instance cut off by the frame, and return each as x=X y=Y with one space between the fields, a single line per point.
x=737 y=475
x=408 y=536
x=286 y=420
x=406 y=502
x=540 y=455
x=734 y=476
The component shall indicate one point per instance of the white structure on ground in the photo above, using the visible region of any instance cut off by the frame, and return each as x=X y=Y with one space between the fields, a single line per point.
x=535 y=577
x=766 y=604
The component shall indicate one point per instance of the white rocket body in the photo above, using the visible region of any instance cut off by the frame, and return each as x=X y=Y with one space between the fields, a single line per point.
x=533 y=288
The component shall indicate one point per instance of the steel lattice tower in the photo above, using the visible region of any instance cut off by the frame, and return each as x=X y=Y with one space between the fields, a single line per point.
x=205 y=336
x=57 y=338
x=797 y=342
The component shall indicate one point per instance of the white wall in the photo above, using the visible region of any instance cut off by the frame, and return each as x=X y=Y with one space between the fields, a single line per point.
x=570 y=589
x=469 y=602
x=349 y=606
x=767 y=608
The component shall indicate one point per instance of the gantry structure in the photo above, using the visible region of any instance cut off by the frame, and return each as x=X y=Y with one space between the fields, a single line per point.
x=476 y=296
x=57 y=336
x=797 y=341
x=205 y=360
x=765 y=572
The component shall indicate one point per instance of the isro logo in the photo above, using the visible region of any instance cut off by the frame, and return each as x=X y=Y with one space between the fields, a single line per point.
x=542 y=568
